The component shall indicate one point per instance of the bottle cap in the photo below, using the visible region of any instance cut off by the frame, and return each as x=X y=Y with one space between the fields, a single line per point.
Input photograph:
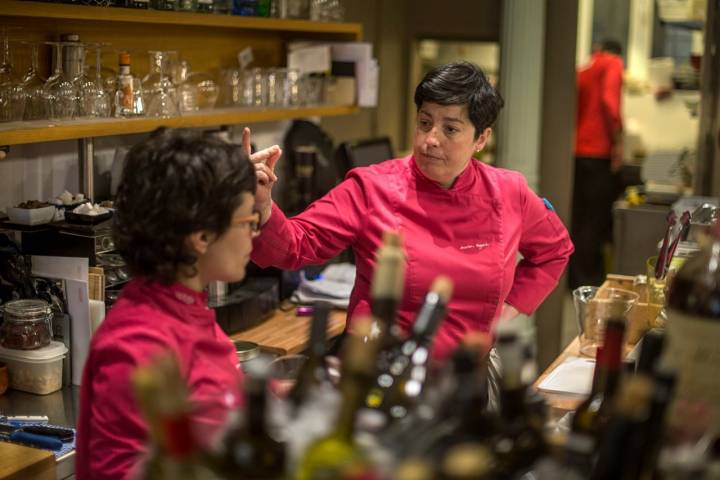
x=124 y=58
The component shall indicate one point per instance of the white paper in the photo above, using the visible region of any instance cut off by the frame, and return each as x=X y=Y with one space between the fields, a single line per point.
x=310 y=59
x=366 y=69
x=64 y=268
x=573 y=376
x=74 y=270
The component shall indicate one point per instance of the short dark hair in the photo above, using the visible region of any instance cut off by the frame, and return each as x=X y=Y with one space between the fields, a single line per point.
x=611 y=45
x=462 y=83
x=174 y=183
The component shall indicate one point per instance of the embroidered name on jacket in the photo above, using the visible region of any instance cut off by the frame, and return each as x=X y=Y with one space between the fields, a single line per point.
x=477 y=246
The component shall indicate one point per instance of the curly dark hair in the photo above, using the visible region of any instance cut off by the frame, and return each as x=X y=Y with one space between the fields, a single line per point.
x=175 y=183
x=462 y=83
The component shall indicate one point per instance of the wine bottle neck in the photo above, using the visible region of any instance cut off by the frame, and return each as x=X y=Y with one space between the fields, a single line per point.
x=352 y=398
x=256 y=410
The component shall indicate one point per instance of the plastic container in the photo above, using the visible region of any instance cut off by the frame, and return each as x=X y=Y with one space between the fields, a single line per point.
x=36 y=371
x=27 y=324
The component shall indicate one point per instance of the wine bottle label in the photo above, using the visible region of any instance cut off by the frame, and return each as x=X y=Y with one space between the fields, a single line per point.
x=694 y=351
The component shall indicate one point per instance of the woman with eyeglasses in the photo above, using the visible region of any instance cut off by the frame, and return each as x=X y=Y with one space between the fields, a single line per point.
x=184 y=218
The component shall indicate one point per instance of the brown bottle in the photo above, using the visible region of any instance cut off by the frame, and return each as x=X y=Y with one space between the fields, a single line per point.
x=591 y=416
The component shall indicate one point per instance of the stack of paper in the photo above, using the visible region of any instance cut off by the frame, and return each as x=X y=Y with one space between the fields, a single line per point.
x=573 y=376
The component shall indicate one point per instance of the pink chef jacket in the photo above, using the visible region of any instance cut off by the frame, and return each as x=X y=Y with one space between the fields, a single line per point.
x=150 y=318
x=471 y=232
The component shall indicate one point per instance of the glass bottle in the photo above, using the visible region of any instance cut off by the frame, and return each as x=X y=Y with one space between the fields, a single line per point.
x=313 y=373
x=205 y=6
x=187 y=5
x=519 y=443
x=336 y=454
x=623 y=439
x=387 y=287
x=163 y=399
x=693 y=334
x=248 y=450
x=591 y=416
x=169 y=5
x=402 y=366
x=128 y=96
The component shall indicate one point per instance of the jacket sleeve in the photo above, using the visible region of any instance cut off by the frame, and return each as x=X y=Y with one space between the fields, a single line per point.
x=324 y=229
x=545 y=246
x=611 y=95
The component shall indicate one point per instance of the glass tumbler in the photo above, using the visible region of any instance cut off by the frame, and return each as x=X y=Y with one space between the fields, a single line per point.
x=593 y=311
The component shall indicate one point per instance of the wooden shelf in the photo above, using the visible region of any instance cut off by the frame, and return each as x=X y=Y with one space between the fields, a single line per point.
x=14 y=8
x=16 y=133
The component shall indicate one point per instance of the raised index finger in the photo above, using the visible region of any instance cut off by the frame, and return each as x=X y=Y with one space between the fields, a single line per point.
x=247 y=147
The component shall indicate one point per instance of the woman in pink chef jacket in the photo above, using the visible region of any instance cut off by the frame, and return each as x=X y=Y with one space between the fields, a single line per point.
x=457 y=216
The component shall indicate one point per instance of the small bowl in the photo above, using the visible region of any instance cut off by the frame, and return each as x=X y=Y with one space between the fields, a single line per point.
x=31 y=216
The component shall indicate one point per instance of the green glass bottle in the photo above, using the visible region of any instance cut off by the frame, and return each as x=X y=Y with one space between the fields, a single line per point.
x=247 y=450
x=313 y=373
x=337 y=454
x=402 y=365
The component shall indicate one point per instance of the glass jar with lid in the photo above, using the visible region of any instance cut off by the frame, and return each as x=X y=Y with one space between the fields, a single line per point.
x=27 y=324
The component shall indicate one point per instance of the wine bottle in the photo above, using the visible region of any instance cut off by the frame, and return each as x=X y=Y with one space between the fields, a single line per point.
x=387 y=287
x=693 y=334
x=336 y=454
x=247 y=449
x=163 y=399
x=617 y=457
x=576 y=462
x=654 y=429
x=520 y=442
x=591 y=416
x=463 y=417
x=652 y=346
x=313 y=372
x=403 y=366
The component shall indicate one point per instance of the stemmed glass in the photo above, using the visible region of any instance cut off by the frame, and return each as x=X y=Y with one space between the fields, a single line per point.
x=95 y=100
x=12 y=96
x=59 y=92
x=33 y=85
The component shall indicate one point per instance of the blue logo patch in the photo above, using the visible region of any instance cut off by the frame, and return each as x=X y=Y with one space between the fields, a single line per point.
x=548 y=205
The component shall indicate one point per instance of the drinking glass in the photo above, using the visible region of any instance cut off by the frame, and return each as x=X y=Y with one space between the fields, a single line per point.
x=95 y=99
x=593 y=308
x=12 y=95
x=33 y=85
x=196 y=90
x=260 y=87
x=59 y=92
x=284 y=372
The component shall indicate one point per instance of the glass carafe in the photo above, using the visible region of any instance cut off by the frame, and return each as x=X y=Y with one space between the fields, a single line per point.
x=158 y=82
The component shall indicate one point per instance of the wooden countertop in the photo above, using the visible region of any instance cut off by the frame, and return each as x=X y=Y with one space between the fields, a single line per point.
x=20 y=462
x=286 y=333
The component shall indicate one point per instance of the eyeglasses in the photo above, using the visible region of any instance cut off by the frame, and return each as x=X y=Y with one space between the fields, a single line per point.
x=253 y=220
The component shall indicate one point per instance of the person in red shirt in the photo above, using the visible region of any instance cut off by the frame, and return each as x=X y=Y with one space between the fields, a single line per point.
x=598 y=155
x=457 y=217
x=184 y=217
